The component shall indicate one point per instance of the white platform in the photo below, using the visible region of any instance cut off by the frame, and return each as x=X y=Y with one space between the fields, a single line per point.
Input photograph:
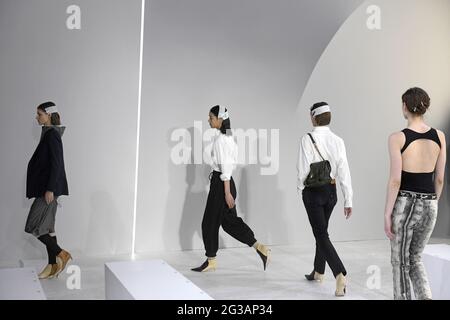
x=436 y=258
x=20 y=284
x=148 y=280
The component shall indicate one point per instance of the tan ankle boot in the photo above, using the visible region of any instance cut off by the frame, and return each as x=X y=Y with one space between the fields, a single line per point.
x=45 y=273
x=341 y=283
x=49 y=271
x=208 y=265
x=314 y=276
x=59 y=262
x=264 y=253
x=65 y=257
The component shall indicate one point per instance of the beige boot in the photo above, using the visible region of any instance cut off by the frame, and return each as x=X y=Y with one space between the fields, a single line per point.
x=264 y=253
x=314 y=276
x=46 y=272
x=49 y=271
x=59 y=262
x=341 y=283
x=209 y=265
x=65 y=257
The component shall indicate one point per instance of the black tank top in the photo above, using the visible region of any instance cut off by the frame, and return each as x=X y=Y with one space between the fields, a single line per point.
x=418 y=182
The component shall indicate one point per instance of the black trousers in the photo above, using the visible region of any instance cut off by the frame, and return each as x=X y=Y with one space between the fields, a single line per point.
x=218 y=214
x=319 y=203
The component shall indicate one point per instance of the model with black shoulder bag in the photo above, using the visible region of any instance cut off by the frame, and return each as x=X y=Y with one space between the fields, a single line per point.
x=317 y=183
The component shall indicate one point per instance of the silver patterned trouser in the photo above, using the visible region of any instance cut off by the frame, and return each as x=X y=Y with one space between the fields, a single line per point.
x=413 y=220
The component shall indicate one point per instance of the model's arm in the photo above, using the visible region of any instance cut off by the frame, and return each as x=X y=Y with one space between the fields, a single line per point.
x=394 y=182
x=302 y=165
x=345 y=180
x=226 y=167
x=228 y=196
x=56 y=163
x=440 y=166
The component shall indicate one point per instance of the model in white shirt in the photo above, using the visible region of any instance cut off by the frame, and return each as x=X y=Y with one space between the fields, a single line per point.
x=224 y=155
x=220 y=207
x=320 y=201
x=332 y=149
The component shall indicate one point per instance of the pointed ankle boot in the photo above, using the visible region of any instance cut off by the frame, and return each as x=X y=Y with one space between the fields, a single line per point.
x=49 y=271
x=45 y=273
x=314 y=275
x=208 y=265
x=264 y=254
x=341 y=284
x=65 y=257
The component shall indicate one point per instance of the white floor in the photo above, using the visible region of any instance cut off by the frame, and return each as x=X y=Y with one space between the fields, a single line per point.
x=240 y=275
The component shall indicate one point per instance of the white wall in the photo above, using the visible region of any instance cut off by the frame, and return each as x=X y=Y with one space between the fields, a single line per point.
x=363 y=74
x=260 y=58
x=92 y=75
x=254 y=57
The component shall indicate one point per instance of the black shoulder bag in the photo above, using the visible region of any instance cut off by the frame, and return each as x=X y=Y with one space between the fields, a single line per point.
x=319 y=172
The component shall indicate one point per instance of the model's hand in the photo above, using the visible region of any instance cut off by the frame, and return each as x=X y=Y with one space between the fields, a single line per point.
x=348 y=212
x=388 y=227
x=49 y=197
x=230 y=200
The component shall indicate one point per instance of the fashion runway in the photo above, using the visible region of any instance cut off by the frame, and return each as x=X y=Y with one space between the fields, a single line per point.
x=240 y=277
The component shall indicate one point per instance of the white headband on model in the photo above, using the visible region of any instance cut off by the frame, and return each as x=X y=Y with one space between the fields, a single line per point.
x=320 y=110
x=51 y=110
x=222 y=113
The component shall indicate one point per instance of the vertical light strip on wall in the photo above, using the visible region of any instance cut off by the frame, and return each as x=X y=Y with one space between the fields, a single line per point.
x=141 y=51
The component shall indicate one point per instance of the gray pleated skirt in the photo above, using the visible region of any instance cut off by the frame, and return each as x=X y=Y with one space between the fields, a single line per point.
x=41 y=218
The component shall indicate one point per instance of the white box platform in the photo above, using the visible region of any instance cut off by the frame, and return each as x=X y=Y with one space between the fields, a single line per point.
x=436 y=259
x=20 y=284
x=148 y=280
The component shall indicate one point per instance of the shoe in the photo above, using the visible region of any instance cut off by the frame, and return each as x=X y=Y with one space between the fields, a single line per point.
x=264 y=254
x=49 y=271
x=341 y=283
x=208 y=265
x=46 y=272
x=314 y=276
x=65 y=257
x=59 y=262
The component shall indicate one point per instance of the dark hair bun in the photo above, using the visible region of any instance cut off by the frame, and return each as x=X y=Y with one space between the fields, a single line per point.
x=416 y=100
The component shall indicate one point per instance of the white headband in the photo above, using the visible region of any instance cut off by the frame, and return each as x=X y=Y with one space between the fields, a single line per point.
x=51 y=110
x=222 y=113
x=320 y=110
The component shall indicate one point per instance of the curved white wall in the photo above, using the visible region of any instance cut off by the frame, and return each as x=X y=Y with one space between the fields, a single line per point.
x=362 y=74
x=253 y=56
x=257 y=57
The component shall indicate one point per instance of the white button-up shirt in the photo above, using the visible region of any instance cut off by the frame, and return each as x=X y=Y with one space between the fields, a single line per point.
x=332 y=149
x=224 y=155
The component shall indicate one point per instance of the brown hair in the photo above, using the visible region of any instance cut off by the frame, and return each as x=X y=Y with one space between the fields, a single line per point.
x=323 y=119
x=54 y=117
x=416 y=100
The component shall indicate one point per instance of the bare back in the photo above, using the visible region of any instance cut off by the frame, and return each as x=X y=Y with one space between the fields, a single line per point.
x=421 y=154
x=419 y=159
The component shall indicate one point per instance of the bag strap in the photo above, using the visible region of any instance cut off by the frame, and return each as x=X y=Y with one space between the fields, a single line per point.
x=315 y=145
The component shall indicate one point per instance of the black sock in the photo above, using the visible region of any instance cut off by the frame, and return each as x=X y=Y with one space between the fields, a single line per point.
x=52 y=247
x=51 y=256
